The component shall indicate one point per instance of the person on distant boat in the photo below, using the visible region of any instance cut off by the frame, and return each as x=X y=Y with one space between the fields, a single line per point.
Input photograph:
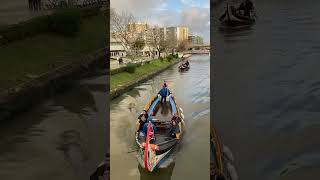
x=164 y=92
x=247 y=7
x=187 y=63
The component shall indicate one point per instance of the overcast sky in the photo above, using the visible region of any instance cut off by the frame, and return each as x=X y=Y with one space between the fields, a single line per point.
x=194 y=14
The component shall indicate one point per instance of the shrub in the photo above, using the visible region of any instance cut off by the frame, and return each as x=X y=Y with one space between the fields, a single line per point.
x=89 y=12
x=25 y=29
x=169 y=58
x=65 y=22
x=118 y=70
x=131 y=68
x=161 y=59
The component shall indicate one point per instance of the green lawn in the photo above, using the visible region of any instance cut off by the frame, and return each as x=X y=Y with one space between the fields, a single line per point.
x=125 y=77
x=38 y=54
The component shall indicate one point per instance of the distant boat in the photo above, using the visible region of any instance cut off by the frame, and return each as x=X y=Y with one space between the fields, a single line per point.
x=233 y=20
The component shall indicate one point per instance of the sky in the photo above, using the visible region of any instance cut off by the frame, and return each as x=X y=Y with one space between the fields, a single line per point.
x=195 y=14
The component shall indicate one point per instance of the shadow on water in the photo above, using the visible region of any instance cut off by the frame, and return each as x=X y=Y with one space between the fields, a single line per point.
x=62 y=138
x=161 y=174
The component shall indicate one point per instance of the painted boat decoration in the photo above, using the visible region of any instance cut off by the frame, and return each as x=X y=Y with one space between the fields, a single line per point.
x=157 y=145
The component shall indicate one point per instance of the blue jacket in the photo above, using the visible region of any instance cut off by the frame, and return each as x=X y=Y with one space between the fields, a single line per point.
x=145 y=126
x=164 y=91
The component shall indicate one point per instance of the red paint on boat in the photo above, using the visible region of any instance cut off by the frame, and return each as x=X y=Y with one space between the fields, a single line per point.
x=146 y=147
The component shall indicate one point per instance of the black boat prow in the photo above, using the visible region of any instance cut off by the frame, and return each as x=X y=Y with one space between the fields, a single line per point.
x=184 y=67
x=232 y=19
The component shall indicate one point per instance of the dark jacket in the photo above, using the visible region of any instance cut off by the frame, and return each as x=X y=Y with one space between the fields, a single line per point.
x=164 y=91
x=142 y=120
x=145 y=126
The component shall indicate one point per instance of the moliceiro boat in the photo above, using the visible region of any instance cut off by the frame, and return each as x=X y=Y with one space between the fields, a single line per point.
x=234 y=19
x=159 y=136
x=184 y=66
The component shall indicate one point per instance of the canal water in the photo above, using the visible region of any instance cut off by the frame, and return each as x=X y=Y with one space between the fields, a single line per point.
x=192 y=91
x=65 y=137
x=266 y=91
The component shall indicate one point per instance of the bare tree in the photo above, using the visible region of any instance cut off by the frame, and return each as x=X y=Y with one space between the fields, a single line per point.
x=184 y=45
x=119 y=24
x=156 y=40
x=138 y=44
x=172 y=44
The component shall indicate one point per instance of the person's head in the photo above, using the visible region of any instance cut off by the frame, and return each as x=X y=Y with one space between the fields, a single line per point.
x=145 y=113
x=165 y=85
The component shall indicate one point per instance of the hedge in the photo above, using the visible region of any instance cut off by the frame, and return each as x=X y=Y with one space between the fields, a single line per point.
x=63 y=22
x=131 y=68
x=117 y=70
x=123 y=68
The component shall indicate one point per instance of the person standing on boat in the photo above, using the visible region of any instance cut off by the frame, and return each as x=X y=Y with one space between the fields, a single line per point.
x=164 y=92
x=247 y=7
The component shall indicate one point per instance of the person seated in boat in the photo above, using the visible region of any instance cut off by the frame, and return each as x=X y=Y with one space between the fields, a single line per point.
x=175 y=128
x=247 y=7
x=145 y=125
x=142 y=119
x=164 y=92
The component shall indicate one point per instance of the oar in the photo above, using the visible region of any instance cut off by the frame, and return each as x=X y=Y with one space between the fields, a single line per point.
x=218 y=153
x=167 y=141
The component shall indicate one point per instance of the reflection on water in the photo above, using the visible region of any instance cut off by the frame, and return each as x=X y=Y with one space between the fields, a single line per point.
x=161 y=174
x=192 y=91
x=267 y=92
x=62 y=138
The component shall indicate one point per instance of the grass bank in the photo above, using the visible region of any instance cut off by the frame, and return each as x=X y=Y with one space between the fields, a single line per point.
x=124 y=78
x=31 y=57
